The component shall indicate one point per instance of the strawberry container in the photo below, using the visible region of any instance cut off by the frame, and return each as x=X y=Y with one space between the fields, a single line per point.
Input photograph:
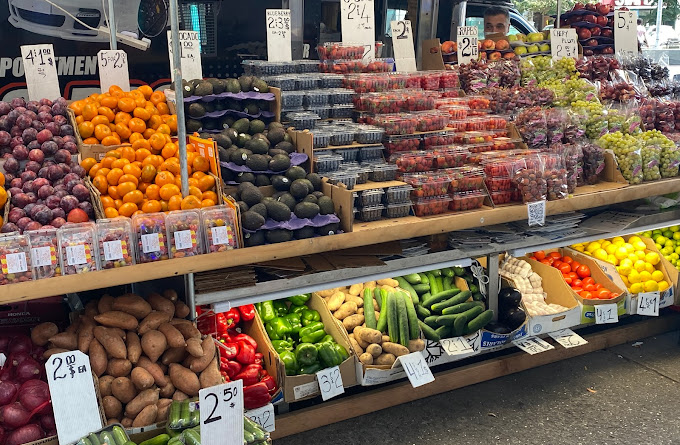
x=401 y=143
x=331 y=80
x=338 y=50
x=398 y=194
x=419 y=161
x=365 y=83
x=436 y=139
x=384 y=65
x=380 y=103
x=368 y=134
x=430 y=80
x=78 y=250
x=397 y=210
x=348 y=154
x=303 y=120
x=371 y=197
x=465 y=179
x=432 y=120
x=467 y=200
x=152 y=242
x=456 y=112
x=15 y=258
x=449 y=157
x=504 y=143
x=435 y=205
x=426 y=185
x=498 y=183
x=219 y=227
x=371 y=213
x=383 y=172
x=417 y=99
x=479 y=123
x=414 y=80
x=306 y=66
x=401 y=123
x=349 y=179
x=505 y=196
x=321 y=139
x=184 y=233
x=498 y=167
x=457 y=126
x=324 y=112
x=451 y=92
x=397 y=81
x=326 y=163
x=292 y=99
x=116 y=243
x=283 y=82
x=449 y=80
x=473 y=137
x=371 y=153
x=307 y=82
x=315 y=98
x=342 y=66
x=342 y=136
x=340 y=96
x=44 y=253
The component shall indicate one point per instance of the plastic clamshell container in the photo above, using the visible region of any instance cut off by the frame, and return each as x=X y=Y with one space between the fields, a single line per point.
x=456 y=112
x=479 y=148
x=498 y=183
x=342 y=136
x=449 y=79
x=497 y=122
x=321 y=139
x=426 y=185
x=371 y=213
x=368 y=134
x=116 y=243
x=184 y=233
x=499 y=167
x=398 y=194
x=15 y=258
x=370 y=153
x=505 y=143
x=368 y=83
x=478 y=102
x=347 y=178
x=340 y=96
x=339 y=50
x=402 y=143
x=449 y=157
x=432 y=120
x=419 y=161
x=307 y=82
x=78 y=250
x=383 y=172
x=303 y=120
x=465 y=179
x=457 y=126
x=402 y=123
x=324 y=112
x=473 y=137
x=327 y=163
x=467 y=200
x=331 y=80
x=400 y=210
x=434 y=205
x=500 y=132
x=371 y=197
x=219 y=227
x=341 y=111
x=44 y=253
x=315 y=98
x=436 y=139
x=348 y=154
x=363 y=173
x=307 y=66
x=505 y=196
x=291 y=99
x=283 y=82
x=152 y=242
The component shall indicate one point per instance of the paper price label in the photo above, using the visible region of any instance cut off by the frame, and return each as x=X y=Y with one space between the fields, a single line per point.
x=402 y=42
x=306 y=390
x=568 y=338
x=279 y=35
x=416 y=369
x=40 y=68
x=220 y=235
x=16 y=262
x=222 y=414
x=648 y=304
x=606 y=313
x=536 y=213
x=76 y=255
x=151 y=242
x=533 y=345
x=330 y=382
x=263 y=416
x=358 y=25
x=113 y=69
x=183 y=240
x=41 y=256
x=190 y=55
x=625 y=33
x=563 y=43
x=70 y=378
x=113 y=250
x=456 y=346
x=467 y=38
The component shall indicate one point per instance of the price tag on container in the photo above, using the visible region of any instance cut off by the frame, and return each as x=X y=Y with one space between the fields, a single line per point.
x=568 y=338
x=263 y=416
x=113 y=69
x=40 y=68
x=533 y=345
x=330 y=382
x=222 y=414
x=456 y=346
x=648 y=304
x=563 y=43
x=536 y=213
x=15 y=263
x=190 y=54
x=416 y=368
x=402 y=42
x=279 y=35
x=625 y=33
x=358 y=25
x=69 y=377
x=606 y=313
x=467 y=38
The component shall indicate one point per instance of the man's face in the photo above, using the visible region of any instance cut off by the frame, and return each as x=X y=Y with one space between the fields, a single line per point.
x=496 y=24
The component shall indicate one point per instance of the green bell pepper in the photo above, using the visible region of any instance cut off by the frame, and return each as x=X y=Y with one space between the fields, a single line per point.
x=327 y=339
x=311 y=369
x=282 y=345
x=298 y=309
x=281 y=308
x=258 y=308
x=306 y=354
x=311 y=328
x=328 y=355
x=289 y=361
x=268 y=313
x=310 y=316
x=342 y=351
x=281 y=328
x=314 y=337
x=299 y=300
x=271 y=332
x=295 y=323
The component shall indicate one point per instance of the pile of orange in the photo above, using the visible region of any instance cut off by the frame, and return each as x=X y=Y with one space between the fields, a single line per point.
x=144 y=178
x=118 y=117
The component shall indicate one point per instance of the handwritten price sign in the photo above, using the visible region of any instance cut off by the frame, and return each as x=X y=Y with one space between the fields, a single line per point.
x=625 y=33
x=40 y=68
x=330 y=382
x=606 y=313
x=416 y=369
x=113 y=69
x=563 y=43
x=222 y=414
x=190 y=55
x=467 y=38
x=279 y=35
x=358 y=25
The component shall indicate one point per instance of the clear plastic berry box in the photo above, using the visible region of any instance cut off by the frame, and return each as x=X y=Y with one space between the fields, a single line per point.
x=324 y=111
x=449 y=79
x=342 y=136
x=307 y=82
x=380 y=103
x=383 y=172
x=368 y=134
x=291 y=99
x=44 y=253
x=329 y=80
x=431 y=120
x=371 y=197
x=342 y=111
x=409 y=162
x=497 y=122
x=152 y=242
x=505 y=143
x=449 y=156
x=368 y=83
x=363 y=173
x=505 y=196
x=473 y=137
x=370 y=153
x=457 y=126
x=284 y=82
x=402 y=143
x=78 y=250
x=456 y=112
x=349 y=179
x=371 y=213
x=303 y=120
x=479 y=123
x=307 y=66
x=184 y=233
x=339 y=50
x=340 y=96
x=467 y=200
x=480 y=148
x=499 y=167
x=265 y=68
x=326 y=163
x=398 y=194
x=321 y=138
x=435 y=205
x=315 y=98
x=397 y=81
x=465 y=179
x=15 y=258
x=477 y=102
x=401 y=210
x=219 y=227
x=401 y=123
x=116 y=243
x=348 y=154
x=498 y=183
x=426 y=185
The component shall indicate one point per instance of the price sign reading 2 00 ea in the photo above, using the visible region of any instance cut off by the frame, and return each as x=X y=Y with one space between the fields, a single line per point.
x=222 y=414
x=466 y=41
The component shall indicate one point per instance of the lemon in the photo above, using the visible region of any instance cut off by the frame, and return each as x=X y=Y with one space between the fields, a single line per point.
x=674 y=228
x=649 y=268
x=611 y=249
x=633 y=277
x=625 y=281
x=657 y=276
x=651 y=286
x=624 y=271
x=645 y=276
x=612 y=260
x=676 y=236
x=653 y=258
x=621 y=253
x=633 y=257
x=663 y=285
x=677 y=249
x=579 y=248
x=618 y=240
x=639 y=265
x=629 y=248
x=666 y=250
x=640 y=254
x=658 y=246
x=600 y=254
x=636 y=288
x=675 y=256
x=639 y=244
x=634 y=239
x=592 y=247
x=588 y=253
x=606 y=243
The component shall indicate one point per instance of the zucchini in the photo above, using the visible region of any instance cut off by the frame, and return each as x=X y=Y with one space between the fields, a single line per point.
x=459 y=325
x=94 y=440
x=441 y=296
x=378 y=297
x=431 y=321
x=479 y=322
x=404 y=332
x=429 y=333
x=423 y=278
x=421 y=288
x=382 y=321
x=413 y=278
x=413 y=331
x=369 y=310
x=119 y=435
x=448 y=272
x=448 y=283
x=161 y=439
x=443 y=331
x=433 y=283
x=458 y=308
x=421 y=311
x=409 y=289
x=392 y=318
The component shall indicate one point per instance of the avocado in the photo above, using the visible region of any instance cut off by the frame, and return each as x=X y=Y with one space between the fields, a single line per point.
x=295 y=172
x=193 y=125
x=273 y=125
x=245 y=82
x=328 y=229
x=257 y=163
x=251 y=195
x=279 y=163
x=286 y=146
x=204 y=135
x=231 y=134
x=228 y=175
x=245 y=177
x=251 y=108
x=240 y=156
x=219 y=105
x=209 y=106
x=304 y=233
x=273 y=152
x=195 y=82
x=218 y=85
x=262 y=180
x=309 y=185
x=223 y=140
x=278 y=235
x=196 y=109
x=232 y=104
x=242 y=125
x=232 y=86
x=260 y=208
x=287 y=199
x=225 y=154
x=311 y=198
x=281 y=183
x=315 y=179
x=226 y=122
x=203 y=89
x=306 y=210
x=277 y=211
x=252 y=220
x=242 y=139
x=287 y=138
x=276 y=135
x=188 y=88
x=256 y=126
x=298 y=189
x=261 y=136
x=211 y=124
x=318 y=195
x=260 y=86
x=243 y=207
x=257 y=146
x=242 y=187
x=326 y=206
x=264 y=105
x=254 y=239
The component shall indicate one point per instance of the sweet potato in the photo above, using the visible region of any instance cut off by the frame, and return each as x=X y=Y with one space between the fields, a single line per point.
x=210 y=376
x=153 y=369
x=179 y=395
x=154 y=345
x=142 y=400
x=123 y=389
x=133 y=305
x=85 y=333
x=105 y=303
x=146 y=417
x=161 y=304
x=374 y=349
x=105 y=385
x=184 y=379
x=91 y=309
x=42 y=333
x=187 y=328
x=114 y=345
x=194 y=347
x=370 y=335
x=66 y=340
x=174 y=338
x=119 y=367
x=47 y=354
x=336 y=300
x=141 y=378
x=119 y=332
x=73 y=327
x=198 y=364
x=395 y=348
x=134 y=347
x=168 y=390
x=117 y=319
x=385 y=359
x=181 y=310
x=163 y=406
x=173 y=355
x=353 y=321
x=366 y=358
x=98 y=359
x=170 y=294
x=153 y=321
x=126 y=422
x=112 y=407
x=112 y=421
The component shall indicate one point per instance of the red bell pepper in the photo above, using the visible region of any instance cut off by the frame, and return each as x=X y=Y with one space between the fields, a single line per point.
x=246 y=353
x=246 y=338
x=229 y=350
x=247 y=312
x=259 y=358
x=227 y=321
x=256 y=395
x=250 y=375
x=231 y=367
x=271 y=384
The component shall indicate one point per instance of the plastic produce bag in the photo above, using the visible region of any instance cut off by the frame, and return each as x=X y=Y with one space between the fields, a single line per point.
x=670 y=161
x=555 y=175
x=556 y=121
x=593 y=162
x=532 y=125
x=651 y=160
x=527 y=175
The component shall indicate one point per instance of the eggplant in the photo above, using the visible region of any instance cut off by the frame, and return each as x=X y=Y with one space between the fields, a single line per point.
x=514 y=318
x=509 y=298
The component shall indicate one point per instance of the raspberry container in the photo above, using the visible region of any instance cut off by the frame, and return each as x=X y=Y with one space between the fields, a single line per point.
x=15 y=258
x=184 y=233
x=303 y=120
x=78 y=250
x=152 y=243
x=331 y=80
x=326 y=163
x=383 y=172
x=219 y=227
x=499 y=183
x=402 y=143
x=371 y=213
x=368 y=134
x=44 y=253
x=398 y=194
x=284 y=82
x=307 y=66
x=467 y=200
x=371 y=197
x=324 y=112
x=473 y=137
x=315 y=98
x=401 y=123
x=116 y=243
x=449 y=157
x=409 y=162
x=398 y=210
x=436 y=139
x=307 y=82
x=456 y=112
x=348 y=154
x=465 y=179
x=342 y=136
x=291 y=99
x=371 y=153
x=432 y=120
x=342 y=111
x=427 y=185
x=321 y=139
x=345 y=177
x=338 y=50
x=435 y=205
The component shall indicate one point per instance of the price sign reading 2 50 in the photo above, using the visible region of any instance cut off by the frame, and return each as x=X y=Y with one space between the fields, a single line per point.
x=222 y=414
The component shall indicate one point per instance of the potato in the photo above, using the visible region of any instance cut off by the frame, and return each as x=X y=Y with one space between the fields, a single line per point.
x=119 y=332
x=134 y=347
x=154 y=345
x=105 y=303
x=370 y=335
x=98 y=360
x=416 y=345
x=114 y=345
x=395 y=348
x=42 y=333
x=385 y=338
x=358 y=300
x=184 y=379
x=187 y=328
x=336 y=300
x=73 y=327
x=105 y=385
x=385 y=359
x=377 y=315
x=161 y=304
x=112 y=407
x=66 y=340
x=194 y=347
x=174 y=355
x=119 y=367
x=357 y=349
x=153 y=321
x=181 y=310
x=126 y=422
x=326 y=293
x=146 y=417
x=174 y=338
x=375 y=305
x=352 y=321
x=198 y=364
x=85 y=333
x=133 y=305
x=170 y=294
x=112 y=421
x=91 y=309
x=153 y=369
x=167 y=390
x=163 y=406
x=374 y=349
x=117 y=319
x=369 y=284
x=141 y=378
x=345 y=310
x=179 y=395
x=356 y=289
x=210 y=376
x=389 y=289
x=142 y=400
x=360 y=311
x=123 y=389
x=366 y=358
x=388 y=282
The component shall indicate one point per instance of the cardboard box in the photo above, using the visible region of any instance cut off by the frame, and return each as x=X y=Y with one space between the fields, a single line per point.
x=432 y=55
x=23 y=315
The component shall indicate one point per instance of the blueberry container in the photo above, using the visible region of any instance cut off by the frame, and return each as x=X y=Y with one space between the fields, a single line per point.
x=398 y=210
x=332 y=80
x=348 y=154
x=324 y=112
x=291 y=99
x=340 y=96
x=303 y=120
x=321 y=139
x=363 y=173
x=307 y=66
x=370 y=153
x=398 y=194
x=315 y=98
x=284 y=82
x=342 y=136
x=368 y=134
x=371 y=197
x=327 y=163
x=307 y=82
x=383 y=172
x=342 y=111
x=371 y=213
x=349 y=179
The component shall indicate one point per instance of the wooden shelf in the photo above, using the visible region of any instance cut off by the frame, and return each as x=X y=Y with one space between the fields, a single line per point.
x=352 y=145
x=370 y=185
x=364 y=234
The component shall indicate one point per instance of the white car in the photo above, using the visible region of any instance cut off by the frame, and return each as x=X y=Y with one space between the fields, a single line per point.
x=668 y=37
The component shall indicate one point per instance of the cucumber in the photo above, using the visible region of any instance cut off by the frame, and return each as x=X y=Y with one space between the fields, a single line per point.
x=104 y=438
x=392 y=318
x=448 y=283
x=175 y=441
x=459 y=271
x=119 y=435
x=421 y=311
x=447 y=320
x=378 y=297
x=440 y=284
x=83 y=441
x=428 y=332
x=413 y=331
x=161 y=439
x=409 y=289
x=184 y=415
x=474 y=288
x=94 y=440
x=433 y=283
x=443 y=331
x=458 y=308
x=425 y=296
x=404 y=332
x=369 y=310
x=421 y=288
x=477 y=296
x=254 y=429
x=448 y=272
x=441 y=296
x=431 y=321
x=459 y=325
x=472 y=312
x=439 y=307
x=413 y=278
x=479 y=322
x=382 y=321
x=423 y=278
x=195 y=418
x=173 y=416
x=436 y=272
x=191 y=437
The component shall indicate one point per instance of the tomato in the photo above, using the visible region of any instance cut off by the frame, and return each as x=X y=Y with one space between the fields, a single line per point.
x=546 y=262
x=588 y=280
x=589 y=287
x=576 y=289
x=598 y=286
x=573 y=275
x=574 y=265
x=555 y=255
x=583 y=271
x=540 y=255
x=564 y=268
x=557 y=264
x=550 y=260
x=567 y=280
x=613 y=295
x=586 y=295
x=567 y=259
x=603 y=294
x=533 y=258
x=577 y=282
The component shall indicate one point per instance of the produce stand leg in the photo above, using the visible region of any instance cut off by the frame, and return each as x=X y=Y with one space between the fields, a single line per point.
x=112 y=26
x=492 y=287
x=191 y=294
